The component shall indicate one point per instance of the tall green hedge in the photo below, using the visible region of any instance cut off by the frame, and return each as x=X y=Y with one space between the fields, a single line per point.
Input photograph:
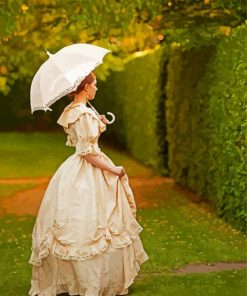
x=206 y=123
x=136 y=96
x=15 y=111
x=185 y=113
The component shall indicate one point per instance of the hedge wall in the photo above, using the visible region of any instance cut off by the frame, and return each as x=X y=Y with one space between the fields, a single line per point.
x=206 y=123
x=136 y=96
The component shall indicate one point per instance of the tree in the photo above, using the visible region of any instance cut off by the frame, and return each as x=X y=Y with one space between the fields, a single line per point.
x=124 y=26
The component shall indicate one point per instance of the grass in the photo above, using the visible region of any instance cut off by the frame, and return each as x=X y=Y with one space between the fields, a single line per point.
x=31 y=154
x=39 y=154
x=176 y=233
x=7 y=190
x=211 y=284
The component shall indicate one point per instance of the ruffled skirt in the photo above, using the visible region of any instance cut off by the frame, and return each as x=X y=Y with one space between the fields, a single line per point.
x=108 y=274
x=86 y=239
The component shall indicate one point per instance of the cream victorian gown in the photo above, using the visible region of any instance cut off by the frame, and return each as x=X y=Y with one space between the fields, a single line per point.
x=85 y=240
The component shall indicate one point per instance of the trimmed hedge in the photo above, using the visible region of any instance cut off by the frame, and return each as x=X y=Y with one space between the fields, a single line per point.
x=136 y=97
x=186 y=113
x=206 y=123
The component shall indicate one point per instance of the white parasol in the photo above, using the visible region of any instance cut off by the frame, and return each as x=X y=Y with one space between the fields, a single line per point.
x=63 y=72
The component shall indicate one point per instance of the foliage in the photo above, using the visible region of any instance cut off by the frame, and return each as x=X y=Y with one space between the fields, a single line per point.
x=227 y=126
x=27 y=28
x=186 y=114
x=136 y=100
x=206 y=123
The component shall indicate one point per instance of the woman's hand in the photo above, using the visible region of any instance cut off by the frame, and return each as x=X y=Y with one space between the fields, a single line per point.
x=104 y=119
x=119 y=171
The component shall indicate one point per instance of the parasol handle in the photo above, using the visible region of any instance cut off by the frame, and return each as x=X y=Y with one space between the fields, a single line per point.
x=113 y=117
x=110 y=113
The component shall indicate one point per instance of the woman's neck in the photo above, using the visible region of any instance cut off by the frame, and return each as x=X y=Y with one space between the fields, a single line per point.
x=80 y=99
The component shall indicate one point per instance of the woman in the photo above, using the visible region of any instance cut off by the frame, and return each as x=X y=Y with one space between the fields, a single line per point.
x=85 y=239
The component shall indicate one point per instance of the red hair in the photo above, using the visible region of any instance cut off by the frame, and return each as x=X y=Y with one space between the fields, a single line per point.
x=89 y=79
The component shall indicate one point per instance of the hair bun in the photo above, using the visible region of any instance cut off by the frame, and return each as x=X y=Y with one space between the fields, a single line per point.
x=88 y=79
x=71 y=95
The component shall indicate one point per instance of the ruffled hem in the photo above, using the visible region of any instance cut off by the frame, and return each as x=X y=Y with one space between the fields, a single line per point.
x=35 y=291
x=66 y=252
x=136 y=257
x=64 y=289
x=73 y=290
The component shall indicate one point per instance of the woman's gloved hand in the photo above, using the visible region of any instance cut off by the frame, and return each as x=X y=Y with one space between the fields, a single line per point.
x=104 y=119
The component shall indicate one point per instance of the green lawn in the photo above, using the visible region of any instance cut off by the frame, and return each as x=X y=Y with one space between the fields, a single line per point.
x=9 y=189
x=176 y=233
x=223 y=283
x=40 y=154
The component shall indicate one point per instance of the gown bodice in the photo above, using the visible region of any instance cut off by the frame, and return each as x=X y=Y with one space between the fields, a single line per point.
x=83 y=128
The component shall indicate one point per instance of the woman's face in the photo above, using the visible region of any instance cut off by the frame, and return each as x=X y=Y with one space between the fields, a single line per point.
x=92 y=88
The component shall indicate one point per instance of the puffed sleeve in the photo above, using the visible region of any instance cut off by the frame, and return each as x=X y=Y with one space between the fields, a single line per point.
x=87 y=130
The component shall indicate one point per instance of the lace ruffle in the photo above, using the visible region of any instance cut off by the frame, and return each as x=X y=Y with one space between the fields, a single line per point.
x=34 y=291
x=72 y=114
x=65 y=250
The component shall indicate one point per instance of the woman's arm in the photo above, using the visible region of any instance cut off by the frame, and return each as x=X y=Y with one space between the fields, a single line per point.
x=99 y=162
